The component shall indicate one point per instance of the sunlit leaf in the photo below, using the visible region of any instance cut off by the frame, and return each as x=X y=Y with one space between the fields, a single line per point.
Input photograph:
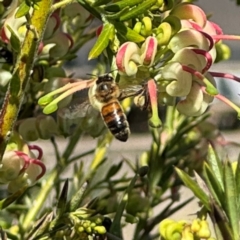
x=102 y=41
x=136 y=11
x=62 y=201
x=113 y=170
x=116 y=224
x=14 y=40
x=198 y=192
x=77 y=198
x=237 y=180
x=231 y=207
x=213 y=184
x=215 y=165
x=22 y=10
x=128 y=34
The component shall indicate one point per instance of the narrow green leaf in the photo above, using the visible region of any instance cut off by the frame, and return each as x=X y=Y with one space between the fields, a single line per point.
x=14 y=40
x=77 y=198
x=102 y=41
x=116 y=224
x=220 y=222
x=117 y=15
x=237 y=180
x=136 y=11
x=41 y=226
x=9 y=200
x=118 y=6
x=215 y=165
x=22 y=10
x=128 y=33
x=114 y=169
x=198 y=192
x=231 y=207
x=88 y=7
x=62 y=201
x=213 y=185
x=100 y=2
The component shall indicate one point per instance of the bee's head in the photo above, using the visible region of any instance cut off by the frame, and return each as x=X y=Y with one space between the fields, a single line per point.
x=104 y=78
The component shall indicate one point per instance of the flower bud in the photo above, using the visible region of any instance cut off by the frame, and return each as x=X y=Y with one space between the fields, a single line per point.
x=100 y=229
x=149 y=50
x=187 y=234
x=62 y=42
x=18 y=183
x=32 y=172
x=190 y=12
x=195 y=227
x=164 y=33
x=174 y=231
x=147 y=26
x=10 y=167
x=127 y=58
x=28 y=130
x=193 y=102
x=181 y=83
x=137 y=27
x=163 y=225
x=188 y=38
x=204 y=231
x=46 y=126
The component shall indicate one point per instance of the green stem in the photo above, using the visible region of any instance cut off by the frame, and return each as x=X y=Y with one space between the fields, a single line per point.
x=80 y=156
x=60 y=4
x=25 y=61
x=103 y=144
x=71 y=145
x=40 y=199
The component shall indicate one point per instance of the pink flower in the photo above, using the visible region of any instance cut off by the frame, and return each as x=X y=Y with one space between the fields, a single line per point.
x=129 y=56
x=20 y=168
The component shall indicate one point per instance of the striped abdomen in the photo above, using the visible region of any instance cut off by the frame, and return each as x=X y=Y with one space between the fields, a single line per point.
x=116 y=120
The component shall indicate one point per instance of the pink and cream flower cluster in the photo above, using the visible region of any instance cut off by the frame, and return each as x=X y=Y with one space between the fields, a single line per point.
x=179 y=61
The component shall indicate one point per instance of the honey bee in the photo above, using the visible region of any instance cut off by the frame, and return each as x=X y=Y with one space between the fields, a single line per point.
x=105 y=96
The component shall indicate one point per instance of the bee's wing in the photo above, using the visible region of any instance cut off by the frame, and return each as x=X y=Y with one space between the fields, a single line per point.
x=131 y=91
x=78 y=108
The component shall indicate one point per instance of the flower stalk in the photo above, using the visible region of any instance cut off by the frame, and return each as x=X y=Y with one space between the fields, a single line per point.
x=22 y=70
x=40 y=199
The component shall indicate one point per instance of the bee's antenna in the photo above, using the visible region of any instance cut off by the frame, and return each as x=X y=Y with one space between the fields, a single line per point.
x=92 y=75
x=113 y=70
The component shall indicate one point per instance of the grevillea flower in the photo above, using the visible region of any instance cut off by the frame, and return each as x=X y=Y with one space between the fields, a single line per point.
x=18 y=26
x=56 y=43
x=130 y=56
x=198 y=228
x=179 y=60
x=20 y=167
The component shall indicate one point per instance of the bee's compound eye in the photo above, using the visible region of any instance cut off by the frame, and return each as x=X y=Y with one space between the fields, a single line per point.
x=103 y=87
x=109 y=78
